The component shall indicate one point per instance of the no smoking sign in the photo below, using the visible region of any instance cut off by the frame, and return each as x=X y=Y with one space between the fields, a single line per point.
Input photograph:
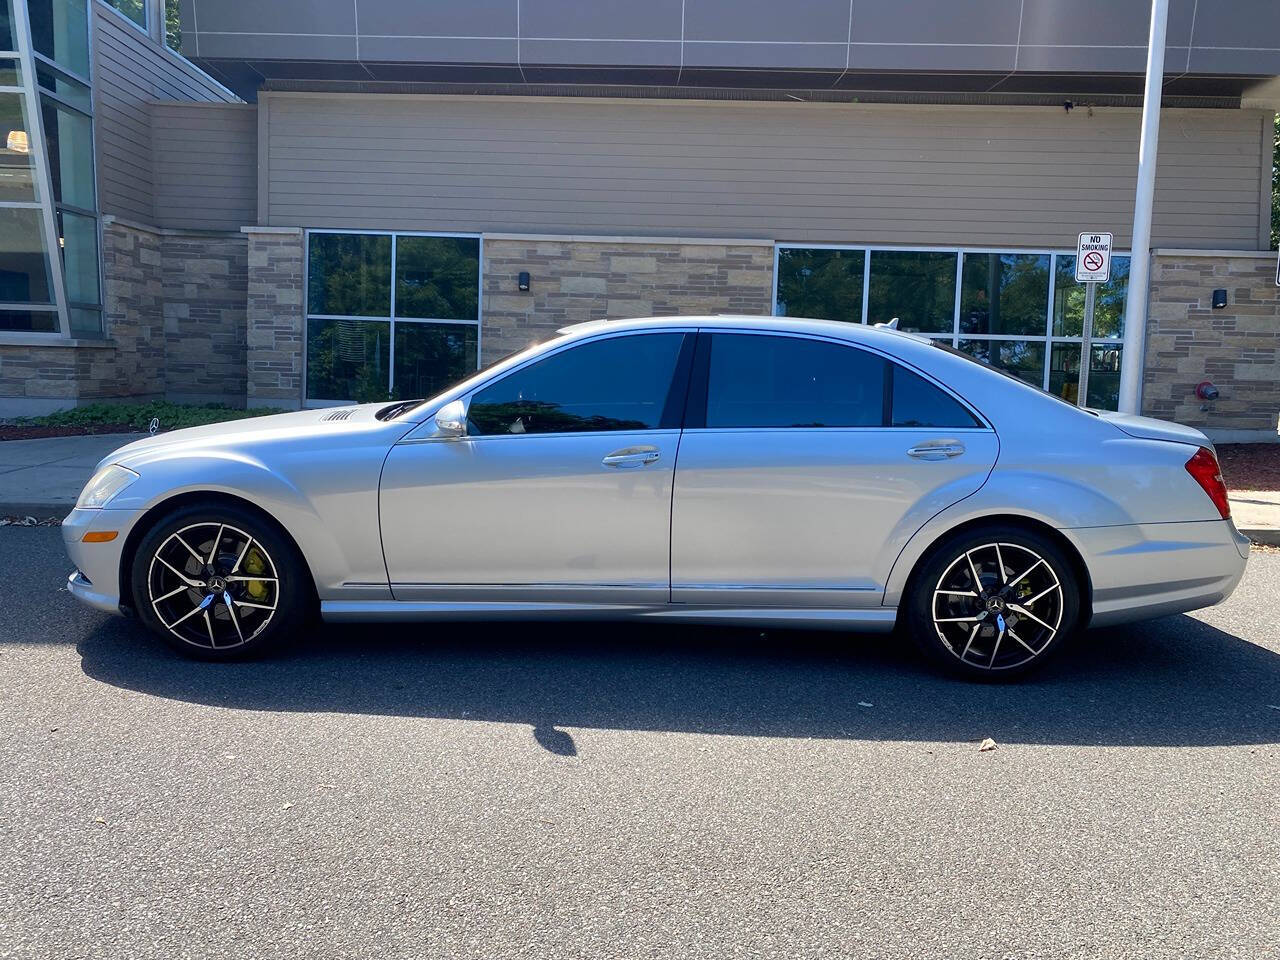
x=1093 y=258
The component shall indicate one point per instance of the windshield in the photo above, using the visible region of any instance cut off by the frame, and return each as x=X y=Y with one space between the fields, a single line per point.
x=402 y=408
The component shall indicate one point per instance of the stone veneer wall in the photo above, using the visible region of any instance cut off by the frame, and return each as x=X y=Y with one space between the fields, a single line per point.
x=273 y=315
x=175 y=326
x=205 y=287
x=1237 y=347
x=575 y=279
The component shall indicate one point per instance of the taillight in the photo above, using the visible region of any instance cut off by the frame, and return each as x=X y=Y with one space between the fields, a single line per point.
x=1204 y=468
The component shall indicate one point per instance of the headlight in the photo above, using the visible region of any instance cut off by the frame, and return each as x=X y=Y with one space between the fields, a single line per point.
x=104 y=485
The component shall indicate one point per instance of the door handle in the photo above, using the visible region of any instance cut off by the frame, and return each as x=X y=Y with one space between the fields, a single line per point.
x=631 y=457
x=937 y=450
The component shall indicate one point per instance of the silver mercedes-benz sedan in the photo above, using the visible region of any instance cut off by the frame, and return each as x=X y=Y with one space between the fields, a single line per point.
x=744 y=470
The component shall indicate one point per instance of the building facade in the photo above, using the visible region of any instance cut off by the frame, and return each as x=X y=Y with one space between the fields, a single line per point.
x=302 y=203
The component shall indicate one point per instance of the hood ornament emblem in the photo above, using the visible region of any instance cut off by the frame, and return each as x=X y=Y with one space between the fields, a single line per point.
x=154 y=425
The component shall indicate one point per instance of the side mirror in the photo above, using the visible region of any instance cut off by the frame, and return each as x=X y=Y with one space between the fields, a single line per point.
x=451 y=419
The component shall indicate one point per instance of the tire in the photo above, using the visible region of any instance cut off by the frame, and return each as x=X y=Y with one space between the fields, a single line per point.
x=1004 y=629
x=257 y=591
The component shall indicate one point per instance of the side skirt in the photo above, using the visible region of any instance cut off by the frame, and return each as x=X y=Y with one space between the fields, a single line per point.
x=879 y=620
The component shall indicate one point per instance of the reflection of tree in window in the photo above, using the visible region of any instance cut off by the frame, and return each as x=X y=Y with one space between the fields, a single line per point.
x=1004 y=293
x=819 y=283
x=1069 y=297
x=917 y=287
x=437 y=278
x=349 y=275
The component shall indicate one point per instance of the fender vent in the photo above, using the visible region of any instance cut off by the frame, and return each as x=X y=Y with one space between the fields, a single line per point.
x=339 y=414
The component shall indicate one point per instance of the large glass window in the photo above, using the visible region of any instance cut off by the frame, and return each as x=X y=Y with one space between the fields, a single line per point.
x=7 y=41
x=24 y=257
x=1004 y=294
x=60 y=31
x=17 y=172
x=617 y=384
x=173 y=25
x=919 y=288
x=1020 y=311
x=820 y=283
x=390 y=315
x=135 y=10
x=771 y=381
x=68 y=136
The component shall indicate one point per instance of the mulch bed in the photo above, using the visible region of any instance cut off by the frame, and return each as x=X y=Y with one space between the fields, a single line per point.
x=1250 y=466
x=9 y=431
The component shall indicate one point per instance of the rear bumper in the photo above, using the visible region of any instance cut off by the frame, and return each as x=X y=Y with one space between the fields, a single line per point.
x=1156 y=569
x=96 y=580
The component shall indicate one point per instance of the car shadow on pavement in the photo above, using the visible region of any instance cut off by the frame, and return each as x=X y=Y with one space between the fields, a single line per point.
x=1171 y=682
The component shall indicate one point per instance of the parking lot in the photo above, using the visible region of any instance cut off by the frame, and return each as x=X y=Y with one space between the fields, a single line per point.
x=623 y=791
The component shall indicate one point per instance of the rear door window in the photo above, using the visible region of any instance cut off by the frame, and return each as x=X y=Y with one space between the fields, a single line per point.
x=776 y=381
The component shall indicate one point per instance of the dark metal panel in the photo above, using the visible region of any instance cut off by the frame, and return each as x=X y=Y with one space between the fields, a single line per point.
x=639 y=53
x=601 y=19
x=276 y=16
x=767 y=20
x=774 y=56
x=414 y=18
x=438 y=49
x=986 y=22
x=931 y=57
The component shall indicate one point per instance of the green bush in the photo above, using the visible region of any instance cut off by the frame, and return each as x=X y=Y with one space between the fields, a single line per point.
x=138 y=416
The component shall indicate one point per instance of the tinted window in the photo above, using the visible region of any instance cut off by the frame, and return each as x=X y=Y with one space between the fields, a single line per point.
x=918 y=403
x=769 y=381
x=616 y=384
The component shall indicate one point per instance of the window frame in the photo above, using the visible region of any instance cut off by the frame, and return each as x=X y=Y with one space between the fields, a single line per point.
x=145 y=27
x=678 y=390
x=699 y=385
x=309 y=402
x=1048 y=339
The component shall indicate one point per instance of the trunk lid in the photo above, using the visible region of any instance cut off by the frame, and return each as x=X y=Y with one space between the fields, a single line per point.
x=1149 y=428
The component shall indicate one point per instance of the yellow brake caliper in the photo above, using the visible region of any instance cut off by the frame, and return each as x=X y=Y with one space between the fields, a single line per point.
x=254 y=563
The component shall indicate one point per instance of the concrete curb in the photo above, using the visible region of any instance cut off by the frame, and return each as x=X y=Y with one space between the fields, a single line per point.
x=1267 y=535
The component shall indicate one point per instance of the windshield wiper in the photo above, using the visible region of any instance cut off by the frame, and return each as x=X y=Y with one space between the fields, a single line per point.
x=386 y=413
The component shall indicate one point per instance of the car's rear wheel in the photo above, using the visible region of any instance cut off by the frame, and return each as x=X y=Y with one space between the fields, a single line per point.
x=993 y=602
x=219 y=582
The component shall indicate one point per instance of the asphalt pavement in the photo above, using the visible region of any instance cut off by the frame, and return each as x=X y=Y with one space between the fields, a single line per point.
x=627 y=791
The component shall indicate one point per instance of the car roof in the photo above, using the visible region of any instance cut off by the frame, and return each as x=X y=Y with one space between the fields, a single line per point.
x=856 y=332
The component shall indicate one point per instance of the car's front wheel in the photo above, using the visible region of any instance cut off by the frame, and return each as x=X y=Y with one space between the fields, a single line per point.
x=219 y=582
x=993 y=602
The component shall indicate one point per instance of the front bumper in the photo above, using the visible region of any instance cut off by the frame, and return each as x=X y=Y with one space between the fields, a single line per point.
x=1155 y=569
x=96 y=580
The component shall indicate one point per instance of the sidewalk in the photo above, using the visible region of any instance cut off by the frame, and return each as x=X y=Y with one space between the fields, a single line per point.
x=42 y=478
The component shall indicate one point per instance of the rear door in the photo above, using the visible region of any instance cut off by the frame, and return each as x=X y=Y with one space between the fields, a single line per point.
x=805 y=466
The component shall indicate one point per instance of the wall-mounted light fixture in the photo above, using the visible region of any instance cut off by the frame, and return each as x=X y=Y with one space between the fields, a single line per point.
x=1219 y=299
x=522 y=281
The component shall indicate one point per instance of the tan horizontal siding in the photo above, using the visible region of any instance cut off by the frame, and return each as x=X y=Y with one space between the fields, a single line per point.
x=830 y=173
x=206 y=165
x=130 y=71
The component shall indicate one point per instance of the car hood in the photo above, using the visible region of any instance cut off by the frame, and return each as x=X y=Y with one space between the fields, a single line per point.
x=1149 y=428
x=252 y=431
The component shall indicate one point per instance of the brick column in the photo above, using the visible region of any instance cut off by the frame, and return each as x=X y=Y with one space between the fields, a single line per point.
x=274 y=317
x=1237 y=347
x=574 y=279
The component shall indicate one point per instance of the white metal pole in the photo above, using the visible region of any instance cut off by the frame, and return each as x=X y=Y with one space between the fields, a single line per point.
x=1135 y=305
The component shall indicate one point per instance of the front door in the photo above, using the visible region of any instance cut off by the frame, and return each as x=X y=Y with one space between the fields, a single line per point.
x=561 y=490
x=813 y=465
